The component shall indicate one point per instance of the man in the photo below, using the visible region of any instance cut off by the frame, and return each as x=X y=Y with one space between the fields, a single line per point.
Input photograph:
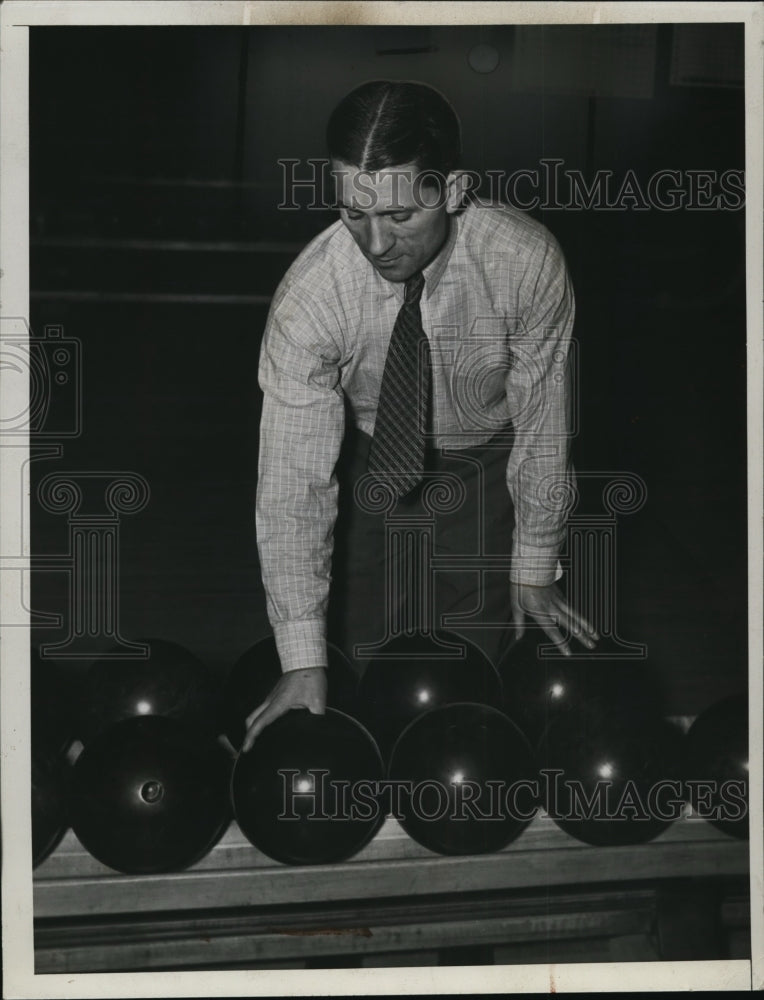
x=480 y=296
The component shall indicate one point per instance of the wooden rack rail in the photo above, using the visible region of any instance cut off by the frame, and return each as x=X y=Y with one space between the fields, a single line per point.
x=546 y=897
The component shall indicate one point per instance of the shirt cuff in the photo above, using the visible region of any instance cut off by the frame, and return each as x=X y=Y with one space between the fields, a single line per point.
x=537 y=569
x=301 y=644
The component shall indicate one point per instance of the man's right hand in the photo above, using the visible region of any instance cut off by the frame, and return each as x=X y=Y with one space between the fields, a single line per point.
x=294 y=689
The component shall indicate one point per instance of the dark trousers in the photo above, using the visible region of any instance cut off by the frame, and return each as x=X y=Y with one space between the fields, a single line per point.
x=380 y=580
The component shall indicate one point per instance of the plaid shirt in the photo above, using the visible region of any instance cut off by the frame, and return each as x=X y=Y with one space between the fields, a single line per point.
x=498 y=312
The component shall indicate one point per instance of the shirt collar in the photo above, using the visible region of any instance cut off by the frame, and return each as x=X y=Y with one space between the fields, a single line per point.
x=435 y=269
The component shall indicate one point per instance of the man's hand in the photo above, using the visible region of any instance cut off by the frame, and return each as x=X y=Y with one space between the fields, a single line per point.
x=294 y=689
x=548 y=607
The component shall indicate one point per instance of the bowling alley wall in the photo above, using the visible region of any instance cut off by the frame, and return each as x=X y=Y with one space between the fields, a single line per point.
x=157 y=243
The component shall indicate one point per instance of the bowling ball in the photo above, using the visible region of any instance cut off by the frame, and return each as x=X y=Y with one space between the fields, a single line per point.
x=287 y=790
x=149 y=795
x=171 y=682
x=415 y=676
x=50 y=814
x=53 y=689
x=604 y=775
x=257 y=671
x=716 y=752
x=461 y=762
x=539 y=690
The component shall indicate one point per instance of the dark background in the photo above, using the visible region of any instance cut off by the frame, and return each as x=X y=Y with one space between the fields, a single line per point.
x=157 y=243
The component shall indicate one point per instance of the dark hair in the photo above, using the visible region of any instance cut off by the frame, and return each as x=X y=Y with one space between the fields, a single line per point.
x=386 y=123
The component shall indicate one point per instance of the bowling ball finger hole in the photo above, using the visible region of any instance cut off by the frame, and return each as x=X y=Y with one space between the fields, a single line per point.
x=152 y=791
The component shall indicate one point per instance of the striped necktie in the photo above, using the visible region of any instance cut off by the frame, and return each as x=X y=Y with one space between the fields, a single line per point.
x=397 y=450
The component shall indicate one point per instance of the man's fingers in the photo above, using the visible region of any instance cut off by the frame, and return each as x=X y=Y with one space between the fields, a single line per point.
x=547 y=607
x=263 y=716
x=271 y=712
x=577 y=619
x=558 y=639
x=566 y=617
x=588 y=628
x=573 y=624
x=256 y=712
x=297 y=689
x=579 y=626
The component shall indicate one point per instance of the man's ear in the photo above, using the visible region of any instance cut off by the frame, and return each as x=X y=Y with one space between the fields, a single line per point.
x=458 y=183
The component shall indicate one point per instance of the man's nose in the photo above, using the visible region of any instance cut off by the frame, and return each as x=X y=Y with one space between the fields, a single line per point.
x=381 y=238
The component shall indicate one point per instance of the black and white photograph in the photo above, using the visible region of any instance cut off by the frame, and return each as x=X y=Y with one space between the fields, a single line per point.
x=381 y=496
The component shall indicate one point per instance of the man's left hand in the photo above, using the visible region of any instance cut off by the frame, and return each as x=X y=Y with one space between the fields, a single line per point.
x=551 y=611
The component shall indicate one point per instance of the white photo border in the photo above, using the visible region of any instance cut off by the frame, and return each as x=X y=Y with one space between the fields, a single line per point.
x=16 y=16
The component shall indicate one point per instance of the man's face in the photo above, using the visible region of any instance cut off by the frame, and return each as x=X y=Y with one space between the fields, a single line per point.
x=398 y=222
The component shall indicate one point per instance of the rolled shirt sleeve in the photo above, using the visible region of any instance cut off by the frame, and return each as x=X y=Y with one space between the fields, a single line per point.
x=301 y=431
x=540 y=476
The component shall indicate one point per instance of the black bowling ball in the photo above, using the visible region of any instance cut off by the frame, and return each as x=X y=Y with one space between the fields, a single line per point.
x=538 y=690
x=612 y=780
x=50 y=812
x=716 y=754
x=416 y=675
x=171 y=682
x=257 y=671
x=149 y=796
x=471 y=776
x=288 y=795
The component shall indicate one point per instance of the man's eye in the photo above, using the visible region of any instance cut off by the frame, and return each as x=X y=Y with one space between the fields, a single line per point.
x=404 y=217
x=354 y=216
